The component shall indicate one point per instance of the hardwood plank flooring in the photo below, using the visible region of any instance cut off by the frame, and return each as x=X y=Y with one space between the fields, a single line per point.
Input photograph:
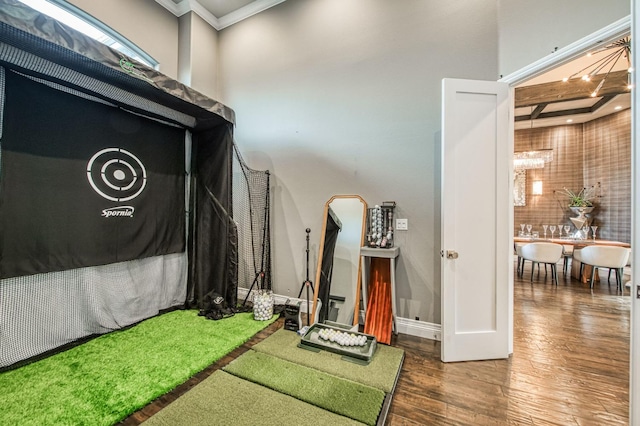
x=570 y=366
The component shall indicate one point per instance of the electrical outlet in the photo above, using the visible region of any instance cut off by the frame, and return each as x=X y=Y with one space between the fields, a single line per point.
x=402 y=224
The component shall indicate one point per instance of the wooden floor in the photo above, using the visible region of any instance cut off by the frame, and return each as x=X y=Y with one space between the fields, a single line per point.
x=570 y=366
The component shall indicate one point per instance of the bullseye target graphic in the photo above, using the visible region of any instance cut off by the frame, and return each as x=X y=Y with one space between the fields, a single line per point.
x=116 y=174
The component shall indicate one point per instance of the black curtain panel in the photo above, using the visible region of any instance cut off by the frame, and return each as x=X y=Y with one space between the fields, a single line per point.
x=332 y=229
x=85 y=183
x=214 y=248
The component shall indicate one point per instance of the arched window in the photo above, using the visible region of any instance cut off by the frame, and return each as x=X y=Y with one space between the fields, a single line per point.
x=88 y=25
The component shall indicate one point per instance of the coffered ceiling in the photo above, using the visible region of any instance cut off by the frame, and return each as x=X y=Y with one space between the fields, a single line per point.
x=550 y=101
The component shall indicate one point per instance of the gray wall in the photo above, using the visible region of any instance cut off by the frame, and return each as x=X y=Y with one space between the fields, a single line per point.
x=198 y=54
x=531 y=30
x=340 y=97
x=145 y=23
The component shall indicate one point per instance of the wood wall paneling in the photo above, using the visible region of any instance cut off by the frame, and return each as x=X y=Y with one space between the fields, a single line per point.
x=598 y=151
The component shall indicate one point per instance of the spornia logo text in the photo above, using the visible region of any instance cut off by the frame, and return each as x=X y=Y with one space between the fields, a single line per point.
x=117 y=175
x=121 y=211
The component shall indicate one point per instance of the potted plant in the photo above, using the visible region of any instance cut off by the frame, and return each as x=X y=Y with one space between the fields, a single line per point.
x=581 y=204
x=584 y=198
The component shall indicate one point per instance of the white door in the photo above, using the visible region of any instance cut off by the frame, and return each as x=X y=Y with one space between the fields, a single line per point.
x=476 y=173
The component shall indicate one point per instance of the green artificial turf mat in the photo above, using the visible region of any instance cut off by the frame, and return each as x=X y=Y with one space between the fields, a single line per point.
x=341 y=396
x=106 y=379
x=223 y=399
x=380 y=373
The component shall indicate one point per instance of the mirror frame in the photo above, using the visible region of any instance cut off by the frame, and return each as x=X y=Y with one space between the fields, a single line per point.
x=519 y=188
x=316 y=287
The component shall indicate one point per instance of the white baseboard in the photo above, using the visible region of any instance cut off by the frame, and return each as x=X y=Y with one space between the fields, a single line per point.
x=408 y=326
x=422 y=329
x=281 y=300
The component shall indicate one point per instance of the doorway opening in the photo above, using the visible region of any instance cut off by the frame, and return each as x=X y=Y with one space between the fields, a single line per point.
x=615 y=31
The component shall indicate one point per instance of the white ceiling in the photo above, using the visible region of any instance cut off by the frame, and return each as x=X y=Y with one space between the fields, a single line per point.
x=219 y=13
x=220 y=8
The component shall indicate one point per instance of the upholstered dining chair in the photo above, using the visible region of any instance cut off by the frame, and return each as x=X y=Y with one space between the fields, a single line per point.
x=567 y=253
x=628 y=264
x=521 y=260
x=547 y=253
x=520 y=268
x=606 y=257
x=577 y=257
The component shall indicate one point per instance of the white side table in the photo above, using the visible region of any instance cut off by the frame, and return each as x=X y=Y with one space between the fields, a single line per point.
x=387 y=253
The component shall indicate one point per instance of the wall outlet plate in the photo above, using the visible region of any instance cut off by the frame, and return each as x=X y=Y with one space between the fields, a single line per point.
x=402 y=224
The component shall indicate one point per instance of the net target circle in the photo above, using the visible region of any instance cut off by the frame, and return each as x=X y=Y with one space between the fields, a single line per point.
x=116 y=174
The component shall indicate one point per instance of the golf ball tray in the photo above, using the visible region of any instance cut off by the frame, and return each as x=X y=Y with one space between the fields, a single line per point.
x=342 y=338
x=312 y=340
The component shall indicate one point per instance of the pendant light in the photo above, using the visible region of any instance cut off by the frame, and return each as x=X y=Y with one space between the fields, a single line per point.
x=532 y=159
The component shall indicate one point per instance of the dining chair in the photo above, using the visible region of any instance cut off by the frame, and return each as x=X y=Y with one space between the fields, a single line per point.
x=547 y=253
x=520 y=267
x=577 y=257
x=628 y=264
x=606 y=257
x=567 y=253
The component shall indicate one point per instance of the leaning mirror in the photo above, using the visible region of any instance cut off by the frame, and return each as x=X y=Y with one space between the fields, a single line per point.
x=339 y=276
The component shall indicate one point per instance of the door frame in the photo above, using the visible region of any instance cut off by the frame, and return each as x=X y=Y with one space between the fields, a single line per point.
x=605 y=35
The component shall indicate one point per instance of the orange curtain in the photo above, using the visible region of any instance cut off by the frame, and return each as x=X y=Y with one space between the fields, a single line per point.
x=378 y=318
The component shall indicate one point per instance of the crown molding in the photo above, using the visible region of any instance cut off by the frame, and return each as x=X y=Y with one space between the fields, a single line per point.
x=199 y=10
x=225 y=21
x=245 y=12
x=172 y=7
x=612 y=32
x=187 y=6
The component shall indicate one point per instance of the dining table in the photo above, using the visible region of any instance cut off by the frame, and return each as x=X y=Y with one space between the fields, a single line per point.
x=577 y=244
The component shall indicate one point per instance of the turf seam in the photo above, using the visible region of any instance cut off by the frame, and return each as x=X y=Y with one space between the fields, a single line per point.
x=310 y=385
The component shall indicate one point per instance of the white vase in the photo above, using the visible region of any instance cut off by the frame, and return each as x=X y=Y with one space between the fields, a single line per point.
x=581 y=211
x=581 y=220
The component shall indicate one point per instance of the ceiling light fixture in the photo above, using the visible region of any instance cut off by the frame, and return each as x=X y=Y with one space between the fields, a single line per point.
x=619 y=49
x=532 y=159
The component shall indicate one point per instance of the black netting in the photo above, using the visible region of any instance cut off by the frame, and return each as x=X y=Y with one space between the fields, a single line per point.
x=228 y=233
x=251 y=213
x=39 y=313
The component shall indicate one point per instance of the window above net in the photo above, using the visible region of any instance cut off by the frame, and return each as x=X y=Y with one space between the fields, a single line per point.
x=91 y=27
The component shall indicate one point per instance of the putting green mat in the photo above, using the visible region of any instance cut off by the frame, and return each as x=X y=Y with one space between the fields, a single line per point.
x=310 y=385
x=105 y=379
x=380 y=373
x=224 y=399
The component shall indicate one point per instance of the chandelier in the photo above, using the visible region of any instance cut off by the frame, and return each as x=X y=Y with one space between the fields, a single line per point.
x=525 y=160
x=613 y=53
x=532 y=159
